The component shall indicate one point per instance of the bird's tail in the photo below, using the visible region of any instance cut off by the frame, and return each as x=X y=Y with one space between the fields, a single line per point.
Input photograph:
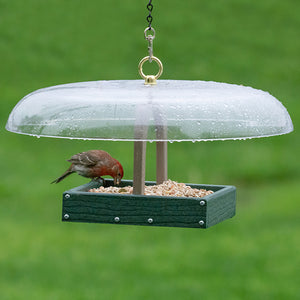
x=63 y=176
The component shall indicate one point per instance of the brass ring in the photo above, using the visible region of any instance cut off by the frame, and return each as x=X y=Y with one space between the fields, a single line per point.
x=143 y=60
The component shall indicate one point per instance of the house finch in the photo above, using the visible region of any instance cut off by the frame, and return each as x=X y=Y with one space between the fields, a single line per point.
x=94 y=164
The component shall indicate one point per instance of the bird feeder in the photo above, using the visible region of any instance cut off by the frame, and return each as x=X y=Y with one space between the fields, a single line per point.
x=150 y=110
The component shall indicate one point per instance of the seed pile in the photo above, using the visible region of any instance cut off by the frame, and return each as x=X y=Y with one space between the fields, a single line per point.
x=167 y=188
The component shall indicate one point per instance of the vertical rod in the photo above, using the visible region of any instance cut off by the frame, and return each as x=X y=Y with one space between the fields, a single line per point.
x=139 y=167
x=161 y=151
x=161 y=162
x=139 y=151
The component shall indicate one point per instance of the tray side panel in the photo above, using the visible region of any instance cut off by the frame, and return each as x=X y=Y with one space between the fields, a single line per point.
x=221 y=206
x=133 y=210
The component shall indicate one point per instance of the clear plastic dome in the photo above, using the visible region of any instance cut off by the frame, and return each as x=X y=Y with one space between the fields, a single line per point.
x=113 y=110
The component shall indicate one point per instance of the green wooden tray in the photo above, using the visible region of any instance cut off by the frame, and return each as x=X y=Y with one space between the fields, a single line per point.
x=79 y=205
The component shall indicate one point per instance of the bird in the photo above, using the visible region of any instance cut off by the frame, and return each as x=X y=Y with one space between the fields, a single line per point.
x=94 y=164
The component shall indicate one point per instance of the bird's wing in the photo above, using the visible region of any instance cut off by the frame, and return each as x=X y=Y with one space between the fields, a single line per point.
x=85 y=158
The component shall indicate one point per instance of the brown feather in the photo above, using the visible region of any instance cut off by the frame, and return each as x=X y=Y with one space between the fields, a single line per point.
x=63 y=176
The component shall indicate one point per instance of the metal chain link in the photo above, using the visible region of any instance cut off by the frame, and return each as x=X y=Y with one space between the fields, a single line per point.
x=149 y=17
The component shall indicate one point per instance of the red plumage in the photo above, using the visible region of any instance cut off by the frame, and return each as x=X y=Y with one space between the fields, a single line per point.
x=94 y=164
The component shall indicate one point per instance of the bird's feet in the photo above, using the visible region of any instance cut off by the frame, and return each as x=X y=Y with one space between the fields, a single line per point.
x=100 y=179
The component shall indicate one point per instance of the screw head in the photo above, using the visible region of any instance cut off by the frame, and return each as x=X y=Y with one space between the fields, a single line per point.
x=201 y=222
x=117 y=219
x=67 y=196
x=202 y=202
x=150 y=220
x=66 y=216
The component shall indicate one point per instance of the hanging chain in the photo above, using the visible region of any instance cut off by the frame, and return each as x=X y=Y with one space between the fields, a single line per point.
x=149 y=17
x=150 y=37
x=149 y=33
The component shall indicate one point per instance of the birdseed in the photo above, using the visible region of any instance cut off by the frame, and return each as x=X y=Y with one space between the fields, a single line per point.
x=167 y=188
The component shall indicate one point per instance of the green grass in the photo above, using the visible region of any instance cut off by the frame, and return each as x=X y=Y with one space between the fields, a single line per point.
x=252 y=256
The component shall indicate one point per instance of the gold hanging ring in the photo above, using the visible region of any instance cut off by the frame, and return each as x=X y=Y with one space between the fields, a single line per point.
x=150 y=79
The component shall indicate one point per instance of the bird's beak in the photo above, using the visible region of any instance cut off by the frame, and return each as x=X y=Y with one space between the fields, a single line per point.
x=117 y=180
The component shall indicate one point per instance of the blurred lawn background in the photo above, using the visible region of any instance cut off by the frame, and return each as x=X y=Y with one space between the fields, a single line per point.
x=255 y=255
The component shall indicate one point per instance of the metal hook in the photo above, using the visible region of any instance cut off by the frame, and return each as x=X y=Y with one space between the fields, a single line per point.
x=150 y=47
x=150 y=39
x=149 y=29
